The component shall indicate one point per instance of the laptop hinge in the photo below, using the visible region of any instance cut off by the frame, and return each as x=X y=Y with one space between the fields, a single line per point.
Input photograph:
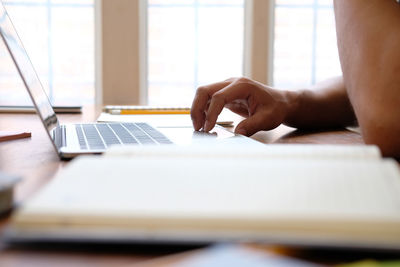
x=59 y=136
x=63 y=135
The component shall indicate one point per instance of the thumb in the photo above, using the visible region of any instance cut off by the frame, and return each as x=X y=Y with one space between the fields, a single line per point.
x=253 y=124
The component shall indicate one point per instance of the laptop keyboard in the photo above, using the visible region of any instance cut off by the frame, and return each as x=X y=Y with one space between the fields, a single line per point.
x=100 y=136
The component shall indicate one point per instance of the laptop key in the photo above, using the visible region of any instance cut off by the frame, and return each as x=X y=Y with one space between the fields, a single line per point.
x=108 y=135
x=92 y=136
x=123 y=134
x=154 y=133
x=81 y=138
x=139 y=134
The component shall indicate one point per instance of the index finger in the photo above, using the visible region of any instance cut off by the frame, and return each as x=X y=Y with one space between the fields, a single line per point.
x=199 y=105
x=228 y=94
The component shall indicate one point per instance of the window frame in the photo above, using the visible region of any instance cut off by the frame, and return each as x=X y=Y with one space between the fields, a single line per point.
x=259 y=40
x=121 y=52
x=121 y=55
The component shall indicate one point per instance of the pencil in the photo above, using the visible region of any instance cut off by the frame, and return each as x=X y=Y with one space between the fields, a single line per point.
x=150 y=111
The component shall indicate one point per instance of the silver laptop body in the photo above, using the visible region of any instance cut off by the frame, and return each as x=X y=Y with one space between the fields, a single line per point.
x=75 y=139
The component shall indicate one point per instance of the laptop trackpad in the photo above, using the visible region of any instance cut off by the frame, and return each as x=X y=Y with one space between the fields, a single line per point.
x=187 y=136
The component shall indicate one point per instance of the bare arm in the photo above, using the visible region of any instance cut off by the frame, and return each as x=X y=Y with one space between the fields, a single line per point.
x=326 y=105
x=369 y=47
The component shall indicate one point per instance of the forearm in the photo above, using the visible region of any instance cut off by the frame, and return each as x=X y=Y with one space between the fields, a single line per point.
x=326 y=105
x=369 y=40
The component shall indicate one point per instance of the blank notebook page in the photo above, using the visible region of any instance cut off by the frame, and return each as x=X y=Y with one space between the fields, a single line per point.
x=230 y=188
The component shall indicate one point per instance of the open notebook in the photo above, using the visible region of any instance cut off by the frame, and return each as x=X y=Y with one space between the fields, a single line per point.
x=285 y=194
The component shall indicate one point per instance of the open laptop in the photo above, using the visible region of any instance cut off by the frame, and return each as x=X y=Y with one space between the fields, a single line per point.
x=76 y=139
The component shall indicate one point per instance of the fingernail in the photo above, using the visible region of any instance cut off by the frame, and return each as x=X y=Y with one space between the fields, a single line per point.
x=196 y=126
x=207 y=126
x=241 y=131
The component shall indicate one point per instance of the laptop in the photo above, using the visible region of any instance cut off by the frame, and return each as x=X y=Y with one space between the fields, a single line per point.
x=75 y=139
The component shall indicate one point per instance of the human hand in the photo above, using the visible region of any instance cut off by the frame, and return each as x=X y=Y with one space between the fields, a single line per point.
x=263 y=107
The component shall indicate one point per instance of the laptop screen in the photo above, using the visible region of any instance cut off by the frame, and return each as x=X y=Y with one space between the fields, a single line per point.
x=27 y=72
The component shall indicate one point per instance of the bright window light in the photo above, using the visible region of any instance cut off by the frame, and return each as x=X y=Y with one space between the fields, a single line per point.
x=192 y=43
x=305 y=48
x=59 y=38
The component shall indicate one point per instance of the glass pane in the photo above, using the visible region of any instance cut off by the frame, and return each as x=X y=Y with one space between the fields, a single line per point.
x=220 y=44
x=171 y=53
x=293 y=47
x=190 y=43
x=305 y=49
x=31 y=23
x=12 y=91
x=327 y=55
x=73 y=54
x=59 y=38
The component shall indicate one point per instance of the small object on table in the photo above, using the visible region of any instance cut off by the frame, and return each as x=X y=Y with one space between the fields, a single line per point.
x=112 y=113
x=7 y=183
x=146 y=110
x=32 y=109
x=12 y=135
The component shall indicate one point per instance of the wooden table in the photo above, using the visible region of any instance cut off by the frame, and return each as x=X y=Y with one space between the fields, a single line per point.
x=35 y=160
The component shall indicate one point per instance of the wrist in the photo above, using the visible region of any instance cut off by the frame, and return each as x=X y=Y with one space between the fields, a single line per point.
x=294 y=102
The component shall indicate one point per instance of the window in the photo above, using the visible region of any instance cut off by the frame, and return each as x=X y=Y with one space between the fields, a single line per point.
x=305 y=48
x=192 y=43
x=170 y=49
x=59 y=38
